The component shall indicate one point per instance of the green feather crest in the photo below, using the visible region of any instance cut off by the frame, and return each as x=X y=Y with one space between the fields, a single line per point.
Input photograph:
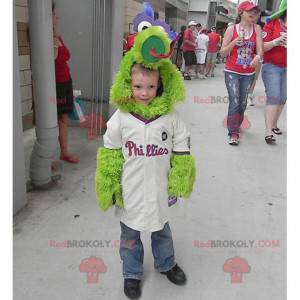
x=172 y=81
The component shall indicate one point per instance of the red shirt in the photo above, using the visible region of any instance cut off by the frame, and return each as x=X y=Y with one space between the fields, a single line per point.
x=214 y=39
x=130 y=42
x=62 y=69
x=188 y=35
x=240 y=57
x=277 y=55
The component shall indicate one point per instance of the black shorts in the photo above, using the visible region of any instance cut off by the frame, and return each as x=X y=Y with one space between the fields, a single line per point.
x=64 y=95
x=190 y=58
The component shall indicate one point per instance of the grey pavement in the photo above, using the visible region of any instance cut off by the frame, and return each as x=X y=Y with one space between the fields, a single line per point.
x=237 y=209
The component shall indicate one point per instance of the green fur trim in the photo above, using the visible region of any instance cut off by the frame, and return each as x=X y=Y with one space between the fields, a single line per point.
x=108 y=177
x=182 y=175
x=173 y=85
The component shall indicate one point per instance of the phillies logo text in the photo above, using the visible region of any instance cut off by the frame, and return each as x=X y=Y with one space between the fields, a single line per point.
x=151 y=150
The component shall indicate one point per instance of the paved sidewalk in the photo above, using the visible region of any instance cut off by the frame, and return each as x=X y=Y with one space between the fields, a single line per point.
x=238 y=209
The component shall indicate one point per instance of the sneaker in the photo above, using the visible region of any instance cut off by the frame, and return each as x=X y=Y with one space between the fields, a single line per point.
x=234 y=140
x=187 y=77
x=202 y=76
x=212 y=75
x=250 y=99
x=176 y=275
x=206 y=75
x=132 y=288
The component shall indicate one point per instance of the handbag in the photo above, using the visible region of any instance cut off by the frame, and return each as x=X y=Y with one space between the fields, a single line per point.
x=78 y=111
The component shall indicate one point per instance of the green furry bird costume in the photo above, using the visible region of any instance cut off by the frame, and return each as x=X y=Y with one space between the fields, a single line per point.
x=145 y=158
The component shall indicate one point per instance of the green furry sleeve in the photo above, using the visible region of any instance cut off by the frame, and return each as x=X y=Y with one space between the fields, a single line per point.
x=182 y=175
x=108 y=177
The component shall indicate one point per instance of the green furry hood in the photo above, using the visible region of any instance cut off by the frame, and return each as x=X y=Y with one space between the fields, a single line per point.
x=151 y=39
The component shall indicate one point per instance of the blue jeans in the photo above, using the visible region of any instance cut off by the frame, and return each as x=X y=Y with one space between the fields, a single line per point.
x=132 y=251
x=274 y=79
x=238 y=87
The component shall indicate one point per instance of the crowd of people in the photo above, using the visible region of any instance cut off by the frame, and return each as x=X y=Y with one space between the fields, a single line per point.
x=248 y=46
x=197 y=50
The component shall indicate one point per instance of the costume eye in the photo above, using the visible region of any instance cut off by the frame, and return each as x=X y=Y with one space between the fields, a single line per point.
x=144 y=25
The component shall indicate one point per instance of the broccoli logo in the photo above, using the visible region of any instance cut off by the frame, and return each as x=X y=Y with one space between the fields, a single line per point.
x=236 y=266
x=237 y=121
x=93 y=266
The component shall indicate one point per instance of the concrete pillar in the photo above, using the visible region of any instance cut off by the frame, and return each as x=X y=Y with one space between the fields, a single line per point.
x=44 y=90
x=19 y=177
x=118 y=19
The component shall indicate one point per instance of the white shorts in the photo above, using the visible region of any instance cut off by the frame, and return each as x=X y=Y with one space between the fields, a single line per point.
x=201 y=56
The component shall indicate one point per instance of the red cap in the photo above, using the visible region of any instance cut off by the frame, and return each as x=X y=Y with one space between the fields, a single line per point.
x=245 y=6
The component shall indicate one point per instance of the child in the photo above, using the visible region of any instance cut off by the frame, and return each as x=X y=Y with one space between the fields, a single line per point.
x=136 y=169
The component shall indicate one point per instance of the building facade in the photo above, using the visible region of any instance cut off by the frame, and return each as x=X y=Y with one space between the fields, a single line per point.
x=212 y=13
x=198 y=11
x=174 y=12
x=21 y=19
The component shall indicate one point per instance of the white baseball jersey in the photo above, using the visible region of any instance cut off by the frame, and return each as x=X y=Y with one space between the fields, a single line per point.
x=147 y=146
x=202 y=41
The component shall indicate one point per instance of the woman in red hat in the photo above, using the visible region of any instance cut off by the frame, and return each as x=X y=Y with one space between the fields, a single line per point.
x=241 y=41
